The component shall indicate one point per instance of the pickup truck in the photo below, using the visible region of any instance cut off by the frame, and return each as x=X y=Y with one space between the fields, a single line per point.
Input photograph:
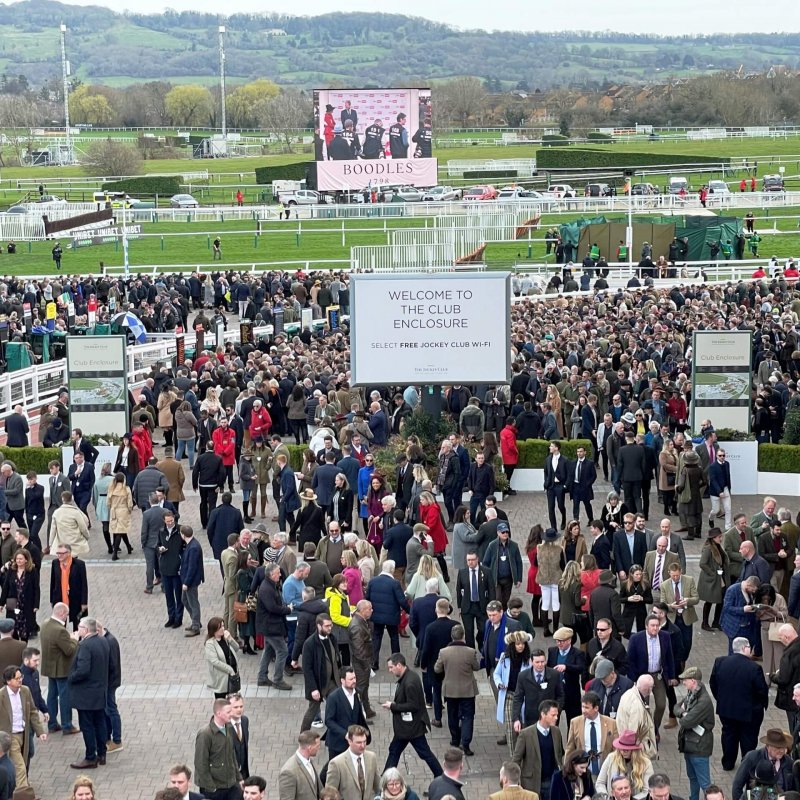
x=302 y=197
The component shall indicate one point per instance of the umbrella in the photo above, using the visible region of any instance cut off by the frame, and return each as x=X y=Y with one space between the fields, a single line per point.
x=130 y=321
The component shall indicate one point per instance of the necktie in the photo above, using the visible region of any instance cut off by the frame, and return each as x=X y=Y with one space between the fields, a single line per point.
x=474 y=585
x=776 y=764
x=578 y=473
x=657 y=574
x=678 y=592
x=237 y=726
x=710 y=453
x=361 y=782
x=593 y=747
x=539 y=677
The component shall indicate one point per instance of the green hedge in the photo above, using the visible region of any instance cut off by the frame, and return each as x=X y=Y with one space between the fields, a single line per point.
x=596 y=136
x=31 y=458
x=489 y=174
x=296 y=171
x=577 y=158
x=555 y=140
x=779 y=458
x=533 y=452
x=163 y=185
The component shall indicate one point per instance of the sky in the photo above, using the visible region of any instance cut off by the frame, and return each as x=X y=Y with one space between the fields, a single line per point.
x=633 y=16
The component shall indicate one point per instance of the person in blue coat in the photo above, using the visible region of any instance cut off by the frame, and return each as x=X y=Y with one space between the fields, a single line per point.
x=290 y=500
x=738 y=614
x=81 y=476
x=364 y=475
x=191 y=575
x=387 y=598
x=223 y=520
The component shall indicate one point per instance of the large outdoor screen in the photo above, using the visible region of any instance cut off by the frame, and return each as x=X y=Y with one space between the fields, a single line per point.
x=368 y=138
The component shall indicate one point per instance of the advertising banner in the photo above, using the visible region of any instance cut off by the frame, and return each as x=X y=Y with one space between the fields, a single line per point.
x=366 y=138
x=721 y=379
x=425 y=329
x=97 y=381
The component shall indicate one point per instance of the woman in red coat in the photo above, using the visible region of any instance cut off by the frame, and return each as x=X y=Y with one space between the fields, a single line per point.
x=430 y=514
x=509 y=450
x=260 y=421
x=533 y=588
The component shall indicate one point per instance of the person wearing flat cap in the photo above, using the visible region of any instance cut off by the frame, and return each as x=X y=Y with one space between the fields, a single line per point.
x=774 y=755
x=696 y=717
x=570 y=663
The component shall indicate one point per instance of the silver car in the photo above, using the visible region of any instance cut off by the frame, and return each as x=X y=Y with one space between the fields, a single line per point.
x=183 y=201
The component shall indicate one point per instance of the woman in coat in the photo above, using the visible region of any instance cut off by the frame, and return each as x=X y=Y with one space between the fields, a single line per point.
x=352 y=574
x=573 y=781
x=341 y=506
x=376 y=492
x=165 y=418
x=296 y=414
x=667 y=473
x=244 y=578
x=570 y=600
x=715 y=577
x=509 y=451
x=515 y=659
x=533 y=588
x=185 y=432
x=129 y=459
x=100 y=501
x=612 y=514
x=431 y=515
x=339 y=609
x=419 y=476
x=464 y=537
x=120 y=505
x=550 y=557
x=310 y=522
x=427 y=569
x=20 y=595
x=690 y=486
x=307 y=470
x=574 y=544
x=773 y=609
x=221 y=652
x=247 y=481
x=636 y=595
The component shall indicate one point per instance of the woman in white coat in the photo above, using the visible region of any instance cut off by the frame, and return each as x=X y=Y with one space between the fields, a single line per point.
x=221 y=651
x=515 y=659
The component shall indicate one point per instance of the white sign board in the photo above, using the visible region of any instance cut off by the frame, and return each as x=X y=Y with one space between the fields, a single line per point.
x=430 y=329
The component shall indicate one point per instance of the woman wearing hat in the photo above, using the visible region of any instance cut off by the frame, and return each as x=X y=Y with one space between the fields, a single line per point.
x=715 y=576
x=690 y=486
x=550 y=556
x=626 y=759
x=573 y=781
x=310 y=522
x=515 y=659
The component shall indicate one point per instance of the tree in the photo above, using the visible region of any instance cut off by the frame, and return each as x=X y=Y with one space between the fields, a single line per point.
x=189 y=105
x=19 y=115
x=461 y=98
x=112 y=158
x=90 y=108
x=286 y=114
x=247 y=105
x=564 y=121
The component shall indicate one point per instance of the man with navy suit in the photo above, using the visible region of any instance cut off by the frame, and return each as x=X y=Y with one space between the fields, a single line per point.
x=474 y=590
x=81 y=476
x=742 y=696
x=630 y=547
x=349 y=113
x=600 y=546
x=584 y=474
x=342 y=709
x=650 y=653
x=241 y=729
x=556 y=480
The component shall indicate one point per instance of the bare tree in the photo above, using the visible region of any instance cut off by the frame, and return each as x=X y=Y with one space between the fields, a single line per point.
x=112 y=158
x=460 y=99
x=286 y=114
x=19 y=114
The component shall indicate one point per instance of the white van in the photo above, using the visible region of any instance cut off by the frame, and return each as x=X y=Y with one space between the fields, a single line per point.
x=677 y=184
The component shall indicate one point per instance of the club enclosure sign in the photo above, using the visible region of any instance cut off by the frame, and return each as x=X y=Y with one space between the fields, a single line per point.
x=423 y=329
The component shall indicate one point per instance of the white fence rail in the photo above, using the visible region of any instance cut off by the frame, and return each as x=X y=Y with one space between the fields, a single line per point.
x=410 y=257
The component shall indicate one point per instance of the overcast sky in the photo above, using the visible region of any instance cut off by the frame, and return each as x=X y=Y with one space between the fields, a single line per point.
x=677 y=16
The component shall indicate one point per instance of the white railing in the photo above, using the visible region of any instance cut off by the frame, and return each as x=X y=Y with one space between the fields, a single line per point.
x=411 y=257
x=525 y=167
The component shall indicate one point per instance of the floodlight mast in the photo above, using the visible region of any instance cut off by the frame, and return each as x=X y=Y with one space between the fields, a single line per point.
x=222 y=80
x=65 y=79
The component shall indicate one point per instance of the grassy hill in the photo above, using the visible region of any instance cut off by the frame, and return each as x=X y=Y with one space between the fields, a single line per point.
x=354 y=49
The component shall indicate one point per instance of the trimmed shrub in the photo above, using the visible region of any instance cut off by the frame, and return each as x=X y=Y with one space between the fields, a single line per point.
x=577 y=158
x=31 y=458
x=296 y=171
x=596 y=136
x=534 y=452
x=779 y=458
x=791 y=429
x=162 y=185
x=554 y=140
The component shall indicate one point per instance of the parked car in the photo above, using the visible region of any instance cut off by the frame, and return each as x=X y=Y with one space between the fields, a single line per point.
x=599 y=190
x=678 y=184
x=481 y=193
x=441 y=194
x=513 y=193
x=302 y=197
x=559 y=190
x=773 y=183
x=718 y=188
x=183 y=201
x=17 y=210
x=410 y=194
x=644 y=189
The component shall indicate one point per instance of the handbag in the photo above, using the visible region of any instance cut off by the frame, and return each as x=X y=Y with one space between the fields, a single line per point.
x=252 y=602
x=234 y=683
x=240 y=611
x=670 y=479
x=774 y=629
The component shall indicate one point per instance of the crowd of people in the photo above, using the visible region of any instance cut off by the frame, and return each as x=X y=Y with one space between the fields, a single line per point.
x=319 y=561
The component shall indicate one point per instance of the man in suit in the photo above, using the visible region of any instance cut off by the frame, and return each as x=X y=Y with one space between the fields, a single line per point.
x=354 y=773
x=349 y=113
x=438 y=635
x=173 y=470
x=556 y=481
x=76 y=596
x=457 y=663
x=81 y=477
x=58 y=483
x=180 y=778
x=474 y=591
x=657 y=563
x=410 y=721
x=600 y=546
x=674 y=542
x=361 y=652
x=10 y=649
x=650 y=653
x=343 y=708
x=719 y=487
x=680 y=594
x=298 y=778
x=630 y=547
x=742 y=696
x=228 y=561
x=322 y=666
x=539 y=750
x=753 y=565
x=510 y=776
x=191 y=575
x=707 y=451
x=632 y=468
x=58 y=653
x=592 y=732
x=18 y=715
x=606 y=645
x=84 y=446
x=14 y=488
x=88 y=685
x=241 y=729
x=449 y=783
x=733 y=539
x=570 y=663
x=535 y=685
x=324 y=480
x=583 y=474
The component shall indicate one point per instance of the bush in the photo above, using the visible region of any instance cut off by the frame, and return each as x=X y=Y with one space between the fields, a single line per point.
x=161 y=184
x=731 y=435
x=596 y=136
x=534 y=452
x=110 y=157
x=553 y=140
x=791 y=430
x=779 y=458
x=31 y=458
x=296 y=171
x=577 y=158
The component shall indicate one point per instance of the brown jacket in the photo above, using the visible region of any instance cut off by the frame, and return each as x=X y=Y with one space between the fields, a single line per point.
x=10 y=653
x=606 y=733
x=29 y=713
x=459 y=662
x=174 y=472
x=514 y=793
x=360 y=631
x=549 y=556
x=527 y=755
x=58 y=649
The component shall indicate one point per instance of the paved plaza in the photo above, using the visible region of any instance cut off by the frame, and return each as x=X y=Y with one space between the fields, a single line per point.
x=163 y=699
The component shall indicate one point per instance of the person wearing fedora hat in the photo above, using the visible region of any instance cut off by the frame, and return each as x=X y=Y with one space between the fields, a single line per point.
x=695 y=714
x=627 y=758
x=774 y=755
x=309 y=525
x=690 y=485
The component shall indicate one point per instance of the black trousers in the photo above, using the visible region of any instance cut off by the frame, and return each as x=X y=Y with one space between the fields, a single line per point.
x=738 y=737
x=555 y=494
x=208 y=501
x=474 y=621
x=633 y=495
x=422 y=749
